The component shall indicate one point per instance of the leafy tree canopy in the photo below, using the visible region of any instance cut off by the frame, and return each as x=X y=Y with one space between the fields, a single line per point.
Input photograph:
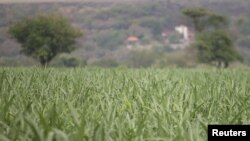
x=213 y=41
x=204 y=19
x=44 y=36
x=217 y=47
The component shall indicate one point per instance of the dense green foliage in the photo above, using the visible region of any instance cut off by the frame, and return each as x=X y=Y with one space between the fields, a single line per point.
x=212 y=40
x=217 y=47
x=204 y=19
x=119 y=104
x=198 y=17
x=44 y=36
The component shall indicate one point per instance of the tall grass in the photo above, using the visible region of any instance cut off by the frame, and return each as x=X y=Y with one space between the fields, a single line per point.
x=119 y=104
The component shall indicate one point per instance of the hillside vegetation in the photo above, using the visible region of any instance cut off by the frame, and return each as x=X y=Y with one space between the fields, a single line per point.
x=107 y=25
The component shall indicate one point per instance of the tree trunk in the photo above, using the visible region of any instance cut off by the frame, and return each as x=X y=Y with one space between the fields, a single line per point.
x=43 y=62
x=226 y=64
x=219 y=64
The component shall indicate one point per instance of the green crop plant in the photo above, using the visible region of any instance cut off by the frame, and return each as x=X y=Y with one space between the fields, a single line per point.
x=94 y=104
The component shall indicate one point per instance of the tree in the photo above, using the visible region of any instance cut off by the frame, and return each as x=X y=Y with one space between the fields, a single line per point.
x=44 y=36
x=212 y=41
x=198 y=16
x=204 y=19
x=216 y=47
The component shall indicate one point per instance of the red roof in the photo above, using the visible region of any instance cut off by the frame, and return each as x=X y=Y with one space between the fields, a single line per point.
x=133 y=39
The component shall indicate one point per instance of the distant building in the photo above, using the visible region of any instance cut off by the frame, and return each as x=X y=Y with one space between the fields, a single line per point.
x=132 y=41
x=178 y=38
x=183 y=30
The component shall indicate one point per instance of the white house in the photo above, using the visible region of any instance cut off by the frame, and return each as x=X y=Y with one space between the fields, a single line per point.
x=183 y=30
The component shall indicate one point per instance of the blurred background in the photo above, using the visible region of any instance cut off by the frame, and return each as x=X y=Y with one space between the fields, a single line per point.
x=126 y=33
